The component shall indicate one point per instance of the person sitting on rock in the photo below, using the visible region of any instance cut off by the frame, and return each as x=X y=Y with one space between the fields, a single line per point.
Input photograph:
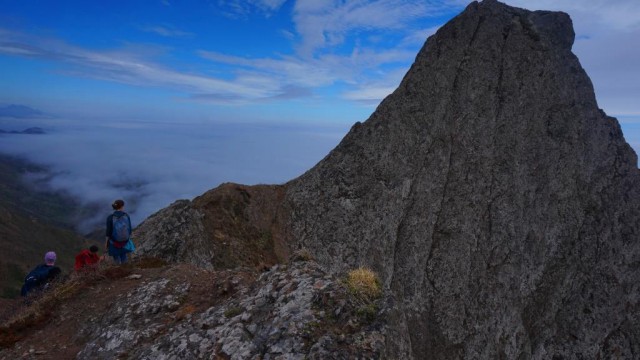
x=87 y=259
x=41 y=276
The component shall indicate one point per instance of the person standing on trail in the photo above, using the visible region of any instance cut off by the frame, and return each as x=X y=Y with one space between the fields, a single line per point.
x=87 y=259
x=39 y=278
x=118 y=233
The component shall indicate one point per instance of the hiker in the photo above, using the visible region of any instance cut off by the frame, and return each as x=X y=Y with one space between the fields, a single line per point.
x=87 y=259
x=118 y=233
x=39 y=278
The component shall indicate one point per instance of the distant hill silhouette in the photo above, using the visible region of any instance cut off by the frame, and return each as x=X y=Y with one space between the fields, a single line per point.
x=20 y=112
x=29 y=131
x=31 y=223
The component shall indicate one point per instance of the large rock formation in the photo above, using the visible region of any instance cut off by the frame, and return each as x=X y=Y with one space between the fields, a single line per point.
x=498 y=204
x=232 y=226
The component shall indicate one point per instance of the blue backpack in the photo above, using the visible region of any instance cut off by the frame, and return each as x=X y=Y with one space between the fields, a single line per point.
x=121 y=231
x=36 y=278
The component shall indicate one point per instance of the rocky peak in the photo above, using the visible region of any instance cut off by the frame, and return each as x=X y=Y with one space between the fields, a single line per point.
x=499 y=205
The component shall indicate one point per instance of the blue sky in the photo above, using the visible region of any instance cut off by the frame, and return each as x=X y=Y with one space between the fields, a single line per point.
x=200 y=92
x=250 y=60
x=257 y=60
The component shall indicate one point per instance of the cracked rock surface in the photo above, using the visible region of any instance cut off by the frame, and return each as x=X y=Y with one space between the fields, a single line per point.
x=498 y=202
x=294 y=311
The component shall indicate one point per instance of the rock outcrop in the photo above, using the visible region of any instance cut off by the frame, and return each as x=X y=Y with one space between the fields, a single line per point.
x=231 y=226
x=497 y=202
x=293 y=311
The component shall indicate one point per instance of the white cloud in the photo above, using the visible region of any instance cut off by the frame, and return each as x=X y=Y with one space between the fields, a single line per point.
x=285 y=69
x=419 y=36
x=355 y=43
x=323 y=24
x=151 y=165
x=166 y=31
x=269 y=4
x=131 y=67
x=369 y=94
x=242 y=8
x=618 y=15
x=261 y=79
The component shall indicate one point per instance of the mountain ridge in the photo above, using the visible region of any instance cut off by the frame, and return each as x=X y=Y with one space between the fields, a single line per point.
x=498 y=205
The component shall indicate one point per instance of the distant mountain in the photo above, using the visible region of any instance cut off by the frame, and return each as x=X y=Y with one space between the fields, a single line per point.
x=20 y=112
x=29 y=131
x=33 y=130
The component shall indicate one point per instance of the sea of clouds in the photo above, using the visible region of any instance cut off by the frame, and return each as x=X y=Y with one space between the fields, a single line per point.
x=150 y=165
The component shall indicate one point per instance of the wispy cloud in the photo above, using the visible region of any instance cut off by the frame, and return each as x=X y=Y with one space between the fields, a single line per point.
x=166 y=31
x=325 y=24
x=321 y=29
x=242 y=8
x=363 y=46
x=129 y=67
x=20 y=112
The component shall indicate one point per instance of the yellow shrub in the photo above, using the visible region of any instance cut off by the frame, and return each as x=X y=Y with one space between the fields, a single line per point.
x=364 y=284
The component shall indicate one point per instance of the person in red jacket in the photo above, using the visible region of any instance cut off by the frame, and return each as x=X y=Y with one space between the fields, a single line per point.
x=87 y=259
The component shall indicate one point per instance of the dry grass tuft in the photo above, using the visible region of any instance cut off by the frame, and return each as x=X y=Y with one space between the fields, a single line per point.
x=363 y=283
x=39 y=311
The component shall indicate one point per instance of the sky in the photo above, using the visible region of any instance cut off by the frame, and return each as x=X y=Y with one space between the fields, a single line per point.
x=154 y=101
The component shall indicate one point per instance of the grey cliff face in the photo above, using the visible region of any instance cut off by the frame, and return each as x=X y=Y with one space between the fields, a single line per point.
x=499 y=205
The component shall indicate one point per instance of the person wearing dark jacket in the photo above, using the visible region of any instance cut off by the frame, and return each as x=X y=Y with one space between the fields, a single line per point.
x=87 y=259
x=39 y=278
x=118 y=233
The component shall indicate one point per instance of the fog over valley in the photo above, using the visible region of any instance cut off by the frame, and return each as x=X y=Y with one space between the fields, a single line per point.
x=150 y=164
x=165 y=100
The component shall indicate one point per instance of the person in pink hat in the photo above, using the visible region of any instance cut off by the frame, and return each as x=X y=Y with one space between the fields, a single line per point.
x=40 y=277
